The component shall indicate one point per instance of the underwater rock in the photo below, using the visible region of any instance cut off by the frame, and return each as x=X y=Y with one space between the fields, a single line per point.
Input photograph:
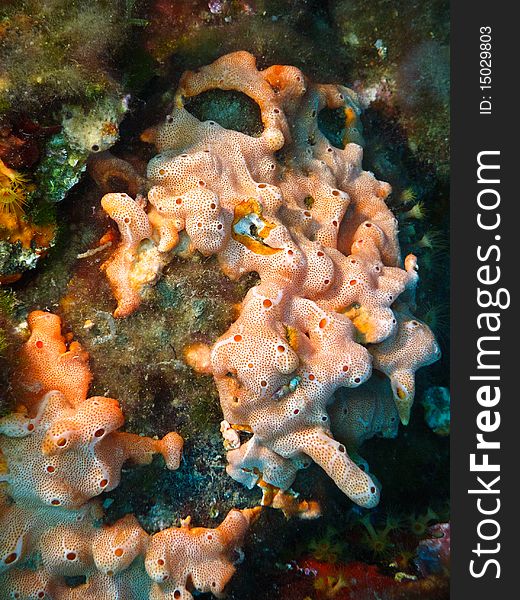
x=20 y=140
x=400 y=63
x=413 y=346
x=196 y=33
x=27 y=216
x=56 y=51
x=15 y=260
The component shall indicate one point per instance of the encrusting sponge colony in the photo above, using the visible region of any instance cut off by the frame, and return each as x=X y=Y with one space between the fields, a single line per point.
x=60 y=450
x=334 y=296
x=295 y=369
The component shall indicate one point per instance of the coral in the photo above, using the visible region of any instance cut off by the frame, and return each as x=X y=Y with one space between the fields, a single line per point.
x=47 y=363
x=84 y=131
x=331 y=585
x=74 y=453
x=97 y=129
x=59 y=451
x=357 y=580
x=60 y=169
x=418 y=524
x=433 y=240
x=27 y=207
x=288 y=417
x=106 y=169
x=289 y=503
x=115 y=561
x=409 y=194
x=27 y=212
x=158 y=361
x=133 y=265
x=328 y=548
x=198 y=357
x=417 y=211
x=378 y=540
x=304 y=215
x=13 y=190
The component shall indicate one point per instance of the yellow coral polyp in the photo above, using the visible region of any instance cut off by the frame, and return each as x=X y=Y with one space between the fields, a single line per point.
x=419 y=524
x=377 y=540
x=408 y=195
x=14 y=226
x=327 y=549
x=292 y=335
x=433 y=240
x=330 y=585
x=10 y=201
x=418 y=211
x=13 y=190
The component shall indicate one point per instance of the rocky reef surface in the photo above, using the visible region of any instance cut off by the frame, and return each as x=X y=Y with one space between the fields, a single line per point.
x=247 y=281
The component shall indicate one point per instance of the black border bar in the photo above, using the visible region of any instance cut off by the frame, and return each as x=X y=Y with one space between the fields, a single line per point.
x=474 y=411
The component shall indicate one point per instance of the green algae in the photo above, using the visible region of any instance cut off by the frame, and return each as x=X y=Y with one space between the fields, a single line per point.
x=7 y=302
x=59 y=170
x=55 y=51
x=15 y=259
x=205 y=410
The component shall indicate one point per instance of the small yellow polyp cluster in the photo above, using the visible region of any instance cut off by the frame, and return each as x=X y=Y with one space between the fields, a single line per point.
x=12 y=190
x=15 y=226
x=314 y=225
x=60 y=450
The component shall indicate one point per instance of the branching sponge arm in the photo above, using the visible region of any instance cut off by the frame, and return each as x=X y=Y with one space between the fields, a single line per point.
x=334 y=460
